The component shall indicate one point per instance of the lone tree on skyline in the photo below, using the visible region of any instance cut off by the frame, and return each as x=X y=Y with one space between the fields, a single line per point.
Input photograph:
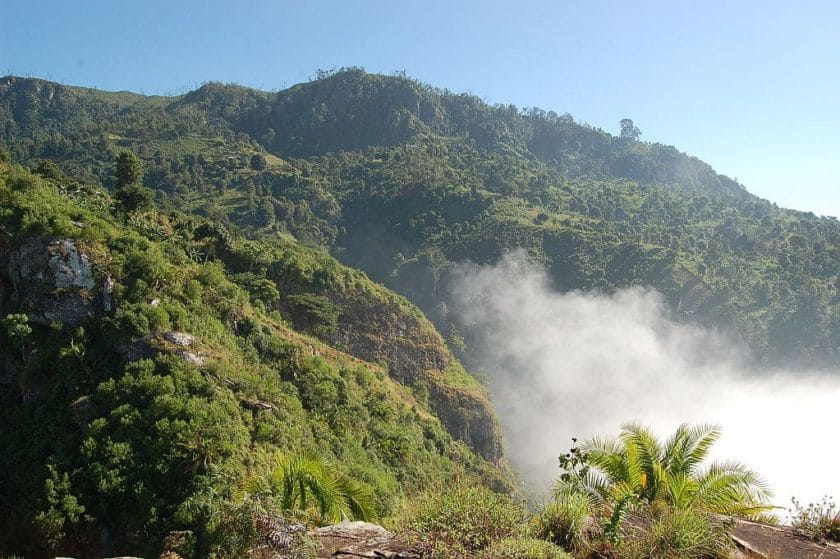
x=629 y=130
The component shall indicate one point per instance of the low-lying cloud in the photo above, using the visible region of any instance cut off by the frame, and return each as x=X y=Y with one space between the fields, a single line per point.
x=581 y=364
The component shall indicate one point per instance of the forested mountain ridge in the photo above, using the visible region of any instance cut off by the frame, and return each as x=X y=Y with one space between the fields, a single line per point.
x=405 y=181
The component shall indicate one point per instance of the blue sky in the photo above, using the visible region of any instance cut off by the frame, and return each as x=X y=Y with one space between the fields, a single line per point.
x=751 y=87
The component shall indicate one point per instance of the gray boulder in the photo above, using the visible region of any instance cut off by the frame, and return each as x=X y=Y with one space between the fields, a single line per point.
x=362 y=539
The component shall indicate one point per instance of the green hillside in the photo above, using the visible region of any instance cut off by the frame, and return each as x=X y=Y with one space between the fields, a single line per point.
x=152 y=361
x=404 y=181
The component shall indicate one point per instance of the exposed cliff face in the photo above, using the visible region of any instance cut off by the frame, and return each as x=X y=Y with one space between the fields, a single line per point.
x=468 y=418
x=377 y=328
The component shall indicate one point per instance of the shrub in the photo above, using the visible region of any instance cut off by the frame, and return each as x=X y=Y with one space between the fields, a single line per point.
x=458 y=521
x=818 y=521
x=525 y=548
x=563 y=520
x=48 y=170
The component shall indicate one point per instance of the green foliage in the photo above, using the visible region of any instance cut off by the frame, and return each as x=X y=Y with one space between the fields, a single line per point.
x=17 y=326
x=257 y=162
x=629 y=131
x=462 y=520
x=164 y=425
x=405 y=181
x=48 y=170
x=135 y=197
x=128 y=183
x=636 y=497
x=63 y=512
x=525 y=548
x=244 y=528
x=314 y=313
x=817 y=521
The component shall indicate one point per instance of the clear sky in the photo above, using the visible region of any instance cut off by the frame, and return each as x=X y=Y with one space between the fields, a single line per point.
x=752 y=87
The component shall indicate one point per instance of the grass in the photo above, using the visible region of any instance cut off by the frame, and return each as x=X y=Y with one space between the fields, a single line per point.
x=817 y=521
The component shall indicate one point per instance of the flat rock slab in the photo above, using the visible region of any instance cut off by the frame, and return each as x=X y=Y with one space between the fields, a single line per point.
x=778 y=542
x=349 y=540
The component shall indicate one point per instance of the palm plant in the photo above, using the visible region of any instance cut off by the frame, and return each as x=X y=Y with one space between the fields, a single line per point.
x=638 y=466
x=302 y=481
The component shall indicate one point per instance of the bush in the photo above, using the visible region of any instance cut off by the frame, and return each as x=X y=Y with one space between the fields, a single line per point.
x=48 y=170
x=135 y=197
x=818 y=521
x=563 y=520
x=458 y=521
x=525 y=548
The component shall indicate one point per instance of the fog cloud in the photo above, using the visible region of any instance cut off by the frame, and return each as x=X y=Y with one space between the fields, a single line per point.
x=581 y=364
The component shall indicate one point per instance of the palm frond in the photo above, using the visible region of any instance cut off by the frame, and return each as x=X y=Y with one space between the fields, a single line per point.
x=734 y=489
x=681 y=490
x=645 y=454
x=304 y=480
x=700 y=440
x=608 y=455
x=357 y=499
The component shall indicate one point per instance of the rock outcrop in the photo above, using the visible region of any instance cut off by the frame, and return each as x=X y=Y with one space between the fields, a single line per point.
x=177 y=343
x=53 y=281
x=354 y=540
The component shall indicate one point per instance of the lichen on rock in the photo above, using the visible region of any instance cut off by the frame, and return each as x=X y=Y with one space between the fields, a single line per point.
x=53 y=280
x=70 y=266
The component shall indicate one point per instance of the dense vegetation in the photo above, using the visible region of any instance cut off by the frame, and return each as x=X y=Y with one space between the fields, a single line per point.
x=404 y=181
x=157 y=366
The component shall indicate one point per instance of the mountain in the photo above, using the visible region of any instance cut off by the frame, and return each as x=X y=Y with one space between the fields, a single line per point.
x=405 y=181
x=284 y=285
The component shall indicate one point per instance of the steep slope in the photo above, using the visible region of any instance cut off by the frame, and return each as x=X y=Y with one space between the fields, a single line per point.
x=405 y=181
x=151 y=361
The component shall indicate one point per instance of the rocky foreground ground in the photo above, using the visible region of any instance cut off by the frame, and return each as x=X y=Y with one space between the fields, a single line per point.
x=363 y=540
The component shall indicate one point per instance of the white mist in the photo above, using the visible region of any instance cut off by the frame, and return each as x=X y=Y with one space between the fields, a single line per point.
x=582 y=364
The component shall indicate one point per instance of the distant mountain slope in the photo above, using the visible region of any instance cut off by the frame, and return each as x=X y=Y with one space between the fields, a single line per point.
x=405 y=181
